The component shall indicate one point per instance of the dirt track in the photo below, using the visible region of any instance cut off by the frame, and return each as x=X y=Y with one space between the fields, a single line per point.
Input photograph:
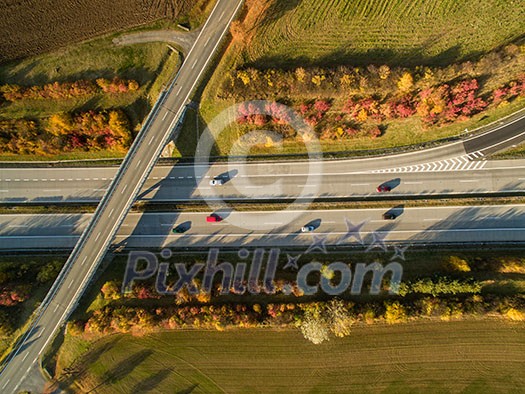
x=30 y=27
x=181 y=39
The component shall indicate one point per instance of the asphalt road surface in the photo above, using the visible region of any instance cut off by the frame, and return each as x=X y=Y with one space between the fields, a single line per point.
x=86 y=256
x=459 y=167
x=181 y=183
x=428 y=225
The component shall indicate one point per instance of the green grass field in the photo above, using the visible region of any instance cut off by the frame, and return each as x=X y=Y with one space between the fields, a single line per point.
x=468 y=357
x=331 y=33
x=324 y=32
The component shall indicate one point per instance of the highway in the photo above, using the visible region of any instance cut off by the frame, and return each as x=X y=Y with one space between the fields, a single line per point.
x=418 y=225
x=85 y=258
x=458 y=167
x=250 y=182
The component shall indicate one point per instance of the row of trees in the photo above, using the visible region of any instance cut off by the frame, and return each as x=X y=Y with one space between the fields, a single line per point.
x=362 y=99
x=318 y=321
x=68 y=90
x=440 y=286
x=252 y=83
x=90 y=130
x=361 y=116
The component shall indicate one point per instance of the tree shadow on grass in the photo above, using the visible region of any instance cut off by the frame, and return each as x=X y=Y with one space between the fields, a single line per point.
x=124 y=367
x=152 y=382
x=345 y=56
x=78 y=370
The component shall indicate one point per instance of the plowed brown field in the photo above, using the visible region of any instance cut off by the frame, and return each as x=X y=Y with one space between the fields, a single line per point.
x=29 y=27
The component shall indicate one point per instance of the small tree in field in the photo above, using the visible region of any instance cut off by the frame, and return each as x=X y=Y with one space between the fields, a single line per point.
x=394 y=312
x=300 y=74
x=405 y=83
x=340 y=319
x=314 y=327
x=384 y=71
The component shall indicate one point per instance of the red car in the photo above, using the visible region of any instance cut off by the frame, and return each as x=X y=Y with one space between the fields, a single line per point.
x=213 y=218
x=383 y=188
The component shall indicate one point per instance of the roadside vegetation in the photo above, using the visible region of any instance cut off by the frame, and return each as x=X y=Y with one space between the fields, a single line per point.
x=366 y=75
x=87 y=100
x=24 y=281
x=514 y=152
x=84 y=101
x=456 y=288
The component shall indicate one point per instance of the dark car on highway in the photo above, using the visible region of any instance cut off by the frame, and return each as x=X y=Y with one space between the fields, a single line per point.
x=179 y=229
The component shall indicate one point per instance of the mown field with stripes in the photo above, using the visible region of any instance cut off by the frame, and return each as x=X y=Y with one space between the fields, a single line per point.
x=447 y=357
x=429 y=32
